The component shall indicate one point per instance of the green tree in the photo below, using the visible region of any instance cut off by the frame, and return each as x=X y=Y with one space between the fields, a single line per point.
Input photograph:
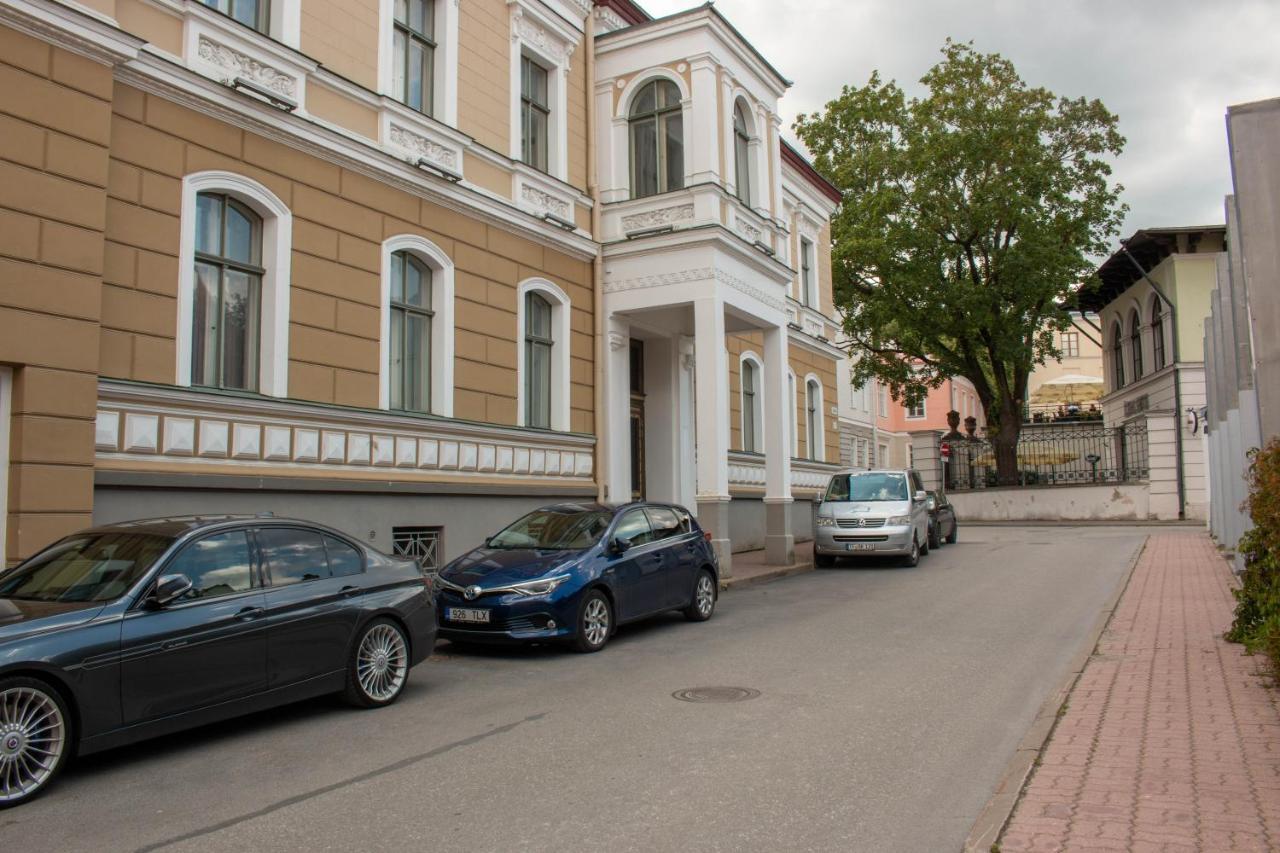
x=970 y=215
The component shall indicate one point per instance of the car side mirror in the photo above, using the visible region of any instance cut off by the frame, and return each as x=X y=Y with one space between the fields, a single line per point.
x=922 y=495
x=620 y=545
x=170 y=588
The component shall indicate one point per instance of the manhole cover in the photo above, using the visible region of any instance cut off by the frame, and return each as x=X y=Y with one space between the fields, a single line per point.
x=716 y=694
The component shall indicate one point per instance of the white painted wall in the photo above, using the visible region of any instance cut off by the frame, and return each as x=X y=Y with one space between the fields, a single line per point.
x=1129 y=502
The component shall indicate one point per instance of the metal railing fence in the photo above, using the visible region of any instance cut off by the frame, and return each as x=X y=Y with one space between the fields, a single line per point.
x=1054 y=454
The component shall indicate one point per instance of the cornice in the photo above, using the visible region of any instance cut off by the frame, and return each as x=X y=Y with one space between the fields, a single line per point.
x=84 y=33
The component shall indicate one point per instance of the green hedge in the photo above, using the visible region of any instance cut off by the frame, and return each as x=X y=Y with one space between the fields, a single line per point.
x=1257 y=622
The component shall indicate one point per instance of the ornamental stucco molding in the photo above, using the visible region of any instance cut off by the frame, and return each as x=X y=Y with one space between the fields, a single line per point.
x=238 y=64
x=696 y=275
x=609 y=19
x=525 y=28
x=659 y=217
x=545 y=202
x=746 y=229
x=426 y=148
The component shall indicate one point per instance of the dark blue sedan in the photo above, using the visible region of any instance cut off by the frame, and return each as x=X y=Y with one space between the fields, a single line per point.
x=574 y=572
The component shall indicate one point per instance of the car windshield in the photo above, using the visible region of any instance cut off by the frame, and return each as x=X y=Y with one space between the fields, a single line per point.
x=84 y=567
x=561 y=529
x=869 y=486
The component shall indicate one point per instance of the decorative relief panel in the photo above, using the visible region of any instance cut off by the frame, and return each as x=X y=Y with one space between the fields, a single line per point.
x=745 y=470
x=183 y=426
x=238 y=64
x=527 y=29
x=419 y=145
x=658 y=218
x=545 y=202
x=747 y=230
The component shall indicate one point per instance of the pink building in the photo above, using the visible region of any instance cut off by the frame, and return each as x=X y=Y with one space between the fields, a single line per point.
x=895 y=422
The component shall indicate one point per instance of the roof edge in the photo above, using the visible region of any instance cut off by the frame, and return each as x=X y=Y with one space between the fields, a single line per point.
x=802 y=165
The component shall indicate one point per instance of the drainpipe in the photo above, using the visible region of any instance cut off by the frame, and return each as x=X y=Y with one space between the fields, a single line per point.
x=1177 y=379
x=597 y=263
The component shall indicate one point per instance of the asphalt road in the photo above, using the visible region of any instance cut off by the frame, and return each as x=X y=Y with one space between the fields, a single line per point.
x=890 y=701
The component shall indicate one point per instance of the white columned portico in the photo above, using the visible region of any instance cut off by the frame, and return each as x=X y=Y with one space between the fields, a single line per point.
x=617 y=468
x=779 y=412
x=711 y=375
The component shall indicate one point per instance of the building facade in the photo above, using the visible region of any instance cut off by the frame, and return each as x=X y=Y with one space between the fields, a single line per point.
x=857 y=413
x=896 y=422
x=407 y=267
x=1152 y=298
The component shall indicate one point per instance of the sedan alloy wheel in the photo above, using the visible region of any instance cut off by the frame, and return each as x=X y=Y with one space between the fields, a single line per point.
x=380 y=666
x=33 y=739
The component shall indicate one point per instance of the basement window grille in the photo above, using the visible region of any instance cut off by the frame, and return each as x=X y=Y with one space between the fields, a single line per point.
x=419 y=543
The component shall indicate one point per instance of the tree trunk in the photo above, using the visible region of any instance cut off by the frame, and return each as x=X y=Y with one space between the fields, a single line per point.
x=1005 y=444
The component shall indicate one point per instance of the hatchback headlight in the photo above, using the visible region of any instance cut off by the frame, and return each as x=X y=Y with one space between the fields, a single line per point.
x=539 y=587
x=899 y=520
x=826 y=521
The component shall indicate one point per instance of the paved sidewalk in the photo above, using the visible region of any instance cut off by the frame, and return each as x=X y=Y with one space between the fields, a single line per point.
x=749 y=567
x=1170 y=740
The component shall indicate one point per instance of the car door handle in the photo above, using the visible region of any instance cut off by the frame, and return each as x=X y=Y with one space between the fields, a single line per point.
x=172 y=644
x=250 y=613
x=349 y=591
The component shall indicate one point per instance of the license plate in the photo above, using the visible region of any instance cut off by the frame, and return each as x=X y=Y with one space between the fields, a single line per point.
x=466 y=614
x=859 y=546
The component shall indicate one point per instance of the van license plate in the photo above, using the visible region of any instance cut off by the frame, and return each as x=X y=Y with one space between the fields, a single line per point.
x=467 y=614
x=859 y=546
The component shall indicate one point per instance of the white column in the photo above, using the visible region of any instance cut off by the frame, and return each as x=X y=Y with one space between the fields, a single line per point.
x=711 y=372
x=704 y=164
x=775 y=157
x=617 y=468
x=778 y=414
x=687 y=481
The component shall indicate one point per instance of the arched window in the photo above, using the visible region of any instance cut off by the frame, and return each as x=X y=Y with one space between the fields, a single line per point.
x=751 y=404
x=233 y=285
x=416 y=343
x=813 y=418
x=410 y=343
x=228 y=294
x=538 y=342
x=1135 y=342
x=1117 y=355
x=741 y=154
x=1157 y=335
x=542 y=363
x=657 y=139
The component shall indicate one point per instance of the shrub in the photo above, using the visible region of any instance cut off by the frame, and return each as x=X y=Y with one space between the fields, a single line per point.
x=1257 y=621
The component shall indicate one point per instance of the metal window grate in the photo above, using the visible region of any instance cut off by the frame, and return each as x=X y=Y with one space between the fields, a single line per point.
x=420 y=543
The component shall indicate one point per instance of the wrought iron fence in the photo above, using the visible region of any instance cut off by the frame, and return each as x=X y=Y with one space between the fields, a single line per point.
x=1054 y=454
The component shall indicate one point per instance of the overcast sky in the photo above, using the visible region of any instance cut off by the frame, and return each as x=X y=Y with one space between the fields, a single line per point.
x=1167 y=68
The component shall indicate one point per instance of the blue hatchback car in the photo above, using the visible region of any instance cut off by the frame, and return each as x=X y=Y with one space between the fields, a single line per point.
x=574 y=572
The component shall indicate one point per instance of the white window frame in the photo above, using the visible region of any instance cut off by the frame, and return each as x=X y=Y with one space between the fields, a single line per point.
x=561 y=309
x=757 y=406
x=750 y=196
x=914 y=417
x=277 y=248
x=795 y=418
x=549 y=42
x=442 y=289
x=621 y=134
x=817 y=453
x=285 y=22
x=444 y=84
x=808 y=288
x=6 y=411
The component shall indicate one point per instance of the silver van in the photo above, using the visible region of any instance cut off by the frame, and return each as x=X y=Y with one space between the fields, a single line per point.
x=872 y=514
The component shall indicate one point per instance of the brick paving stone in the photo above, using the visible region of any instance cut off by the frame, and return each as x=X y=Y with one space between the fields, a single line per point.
x=1171 y=736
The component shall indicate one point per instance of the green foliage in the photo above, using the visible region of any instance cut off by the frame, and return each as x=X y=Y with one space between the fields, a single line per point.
x=970 y=215
x=1257 y=621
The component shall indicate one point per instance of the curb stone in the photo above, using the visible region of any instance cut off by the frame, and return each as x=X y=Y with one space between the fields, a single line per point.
x=993 y=818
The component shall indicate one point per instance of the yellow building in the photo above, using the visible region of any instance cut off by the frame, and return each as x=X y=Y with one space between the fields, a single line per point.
x=397 y=266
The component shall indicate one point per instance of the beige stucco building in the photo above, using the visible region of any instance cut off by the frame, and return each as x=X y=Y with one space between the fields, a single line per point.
x=1152 y=298
x=407 y=268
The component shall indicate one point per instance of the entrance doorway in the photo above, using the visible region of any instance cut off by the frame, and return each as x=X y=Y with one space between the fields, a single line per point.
x=637 y=420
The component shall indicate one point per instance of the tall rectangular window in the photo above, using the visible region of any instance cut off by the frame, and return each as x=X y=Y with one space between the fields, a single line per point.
x=414 y=53
x=1070 y=344
x=749 y=407
x=657 y=139
x=228 y=288
x=534 y=113
x=807 y=295
x=410 y=344
x=251 y=13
